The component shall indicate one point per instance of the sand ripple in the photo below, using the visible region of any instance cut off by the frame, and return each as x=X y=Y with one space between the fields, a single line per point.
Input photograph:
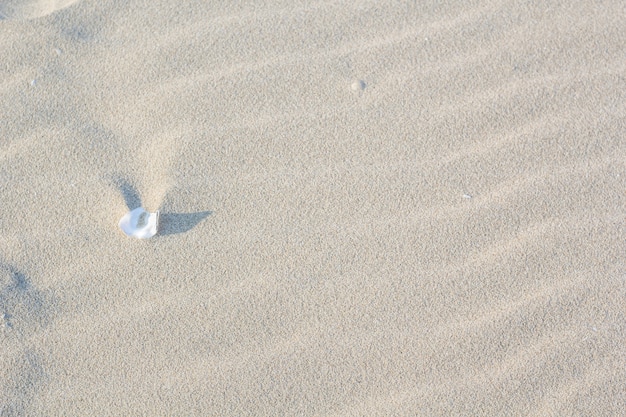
x=31 y=9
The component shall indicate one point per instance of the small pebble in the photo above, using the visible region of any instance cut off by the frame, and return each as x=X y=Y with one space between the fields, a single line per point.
x=358 y=85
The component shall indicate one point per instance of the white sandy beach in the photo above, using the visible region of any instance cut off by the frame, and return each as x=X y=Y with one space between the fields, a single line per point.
x=368 y=208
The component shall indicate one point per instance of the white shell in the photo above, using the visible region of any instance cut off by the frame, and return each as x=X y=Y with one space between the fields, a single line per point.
x=140 y=224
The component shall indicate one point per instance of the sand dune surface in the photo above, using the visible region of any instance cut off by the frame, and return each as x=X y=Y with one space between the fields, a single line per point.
x=367 y=208
x=31 y=9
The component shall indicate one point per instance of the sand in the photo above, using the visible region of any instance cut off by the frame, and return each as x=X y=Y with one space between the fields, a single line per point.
x=368 y=208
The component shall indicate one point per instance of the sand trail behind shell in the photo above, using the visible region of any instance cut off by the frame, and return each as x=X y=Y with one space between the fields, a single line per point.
x=153 y=164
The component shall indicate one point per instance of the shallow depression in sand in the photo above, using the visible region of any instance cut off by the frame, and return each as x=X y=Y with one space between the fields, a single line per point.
x=30 y=9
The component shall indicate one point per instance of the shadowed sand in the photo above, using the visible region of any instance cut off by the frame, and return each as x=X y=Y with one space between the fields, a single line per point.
x=367 y=208
x=24 y=312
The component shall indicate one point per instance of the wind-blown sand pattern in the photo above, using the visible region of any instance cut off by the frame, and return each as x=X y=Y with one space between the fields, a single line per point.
x=31 y=9
x=367 y=208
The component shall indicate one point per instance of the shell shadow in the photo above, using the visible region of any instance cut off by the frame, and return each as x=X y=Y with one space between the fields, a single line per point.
x=175 y=223
x=128 y=191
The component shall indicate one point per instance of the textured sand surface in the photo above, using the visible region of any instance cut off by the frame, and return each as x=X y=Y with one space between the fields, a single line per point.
x=31 y=9
x=369 y=208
